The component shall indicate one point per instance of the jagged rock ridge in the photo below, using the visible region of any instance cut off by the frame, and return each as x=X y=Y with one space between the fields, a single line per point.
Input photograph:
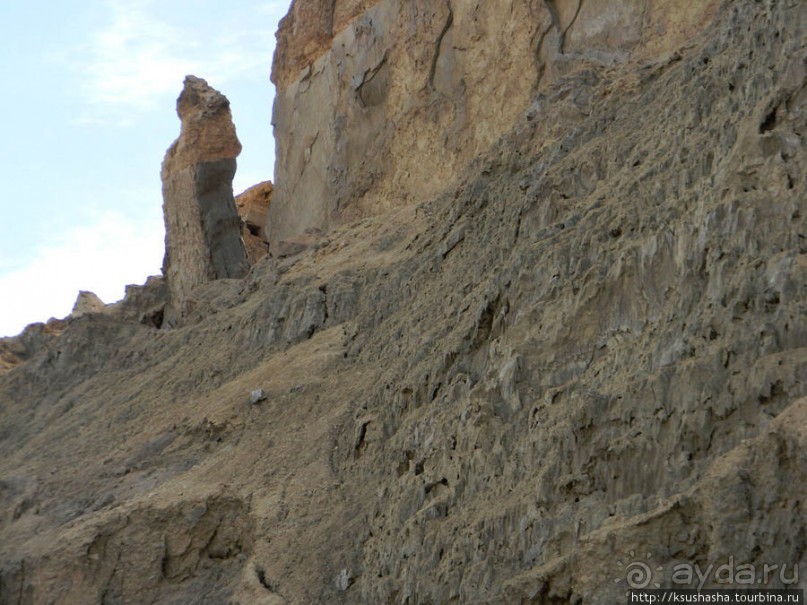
x=589 y=346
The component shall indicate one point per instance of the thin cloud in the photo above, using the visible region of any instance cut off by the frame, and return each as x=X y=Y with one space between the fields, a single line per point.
x=135 y=59
x=139 y=58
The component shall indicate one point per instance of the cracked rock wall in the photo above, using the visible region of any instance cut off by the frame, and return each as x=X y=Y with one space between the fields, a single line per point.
x=591 y=347
x=384 y=104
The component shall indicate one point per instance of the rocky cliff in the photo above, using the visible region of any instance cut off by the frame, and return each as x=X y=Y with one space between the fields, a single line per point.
x=252 y=206
x=548 y=327
x=382 y=105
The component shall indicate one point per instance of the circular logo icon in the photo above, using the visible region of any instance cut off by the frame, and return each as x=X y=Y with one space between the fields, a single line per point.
x=637 y=573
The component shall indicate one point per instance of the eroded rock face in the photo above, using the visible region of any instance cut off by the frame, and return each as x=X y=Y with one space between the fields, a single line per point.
x=253 y=206
x=392 y=105
x=307 y=31
x=87 y=302
x=15 y=350
x=145 y=303
x=203 y=233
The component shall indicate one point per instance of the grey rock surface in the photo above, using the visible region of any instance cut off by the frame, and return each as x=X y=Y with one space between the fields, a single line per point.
x=145 y=303
x=391 y=107
x=87 y=302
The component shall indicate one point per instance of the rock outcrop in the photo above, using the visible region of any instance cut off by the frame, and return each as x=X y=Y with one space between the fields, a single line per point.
x=203 y=233
x=144 y=303
x=307 y=31
x=253 y=206
x=585 y=354
x=16 y=350
x=87 y=302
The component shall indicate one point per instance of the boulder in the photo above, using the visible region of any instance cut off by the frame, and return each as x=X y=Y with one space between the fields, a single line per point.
x=145 y=304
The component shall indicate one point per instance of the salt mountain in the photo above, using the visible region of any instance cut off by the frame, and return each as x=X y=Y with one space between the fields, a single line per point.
x=532 y=317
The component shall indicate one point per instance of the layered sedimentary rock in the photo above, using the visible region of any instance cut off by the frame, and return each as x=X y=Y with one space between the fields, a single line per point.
x=389 y=107
x=585 y=357
x=203 y=233
x=253 y=206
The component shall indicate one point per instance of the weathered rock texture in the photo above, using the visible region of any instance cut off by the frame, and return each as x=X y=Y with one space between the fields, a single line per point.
x=203 y=235
x=18 y=349
x=253 y=206
x=308 y=31
x=144 y=304
x=588 y=351
x=87 y=302
x=391 y=108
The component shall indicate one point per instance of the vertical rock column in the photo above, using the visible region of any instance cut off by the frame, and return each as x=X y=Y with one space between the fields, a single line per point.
x=202 y=227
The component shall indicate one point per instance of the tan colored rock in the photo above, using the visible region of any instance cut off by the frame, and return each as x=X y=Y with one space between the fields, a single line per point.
x=256 y=247
x=391 y=107
x=145 y=303
x=307 y=32
x=203 y=234
x=15 y=350
x=8 y=358
x=207 y=131
x=253 y=206
x=312 y=238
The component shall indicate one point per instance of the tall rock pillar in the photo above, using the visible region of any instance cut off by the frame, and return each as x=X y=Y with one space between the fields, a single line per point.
x=202 y=227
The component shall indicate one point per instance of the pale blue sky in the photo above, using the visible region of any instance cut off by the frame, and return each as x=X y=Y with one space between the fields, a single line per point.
x=88 y=105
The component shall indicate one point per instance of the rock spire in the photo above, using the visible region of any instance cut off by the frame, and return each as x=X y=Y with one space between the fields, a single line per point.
x=203 y=235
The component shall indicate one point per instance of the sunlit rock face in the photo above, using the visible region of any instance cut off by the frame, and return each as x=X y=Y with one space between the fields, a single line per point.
x=203 y=230
x=382 y=103
x=583 y=356
x=253 y=205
